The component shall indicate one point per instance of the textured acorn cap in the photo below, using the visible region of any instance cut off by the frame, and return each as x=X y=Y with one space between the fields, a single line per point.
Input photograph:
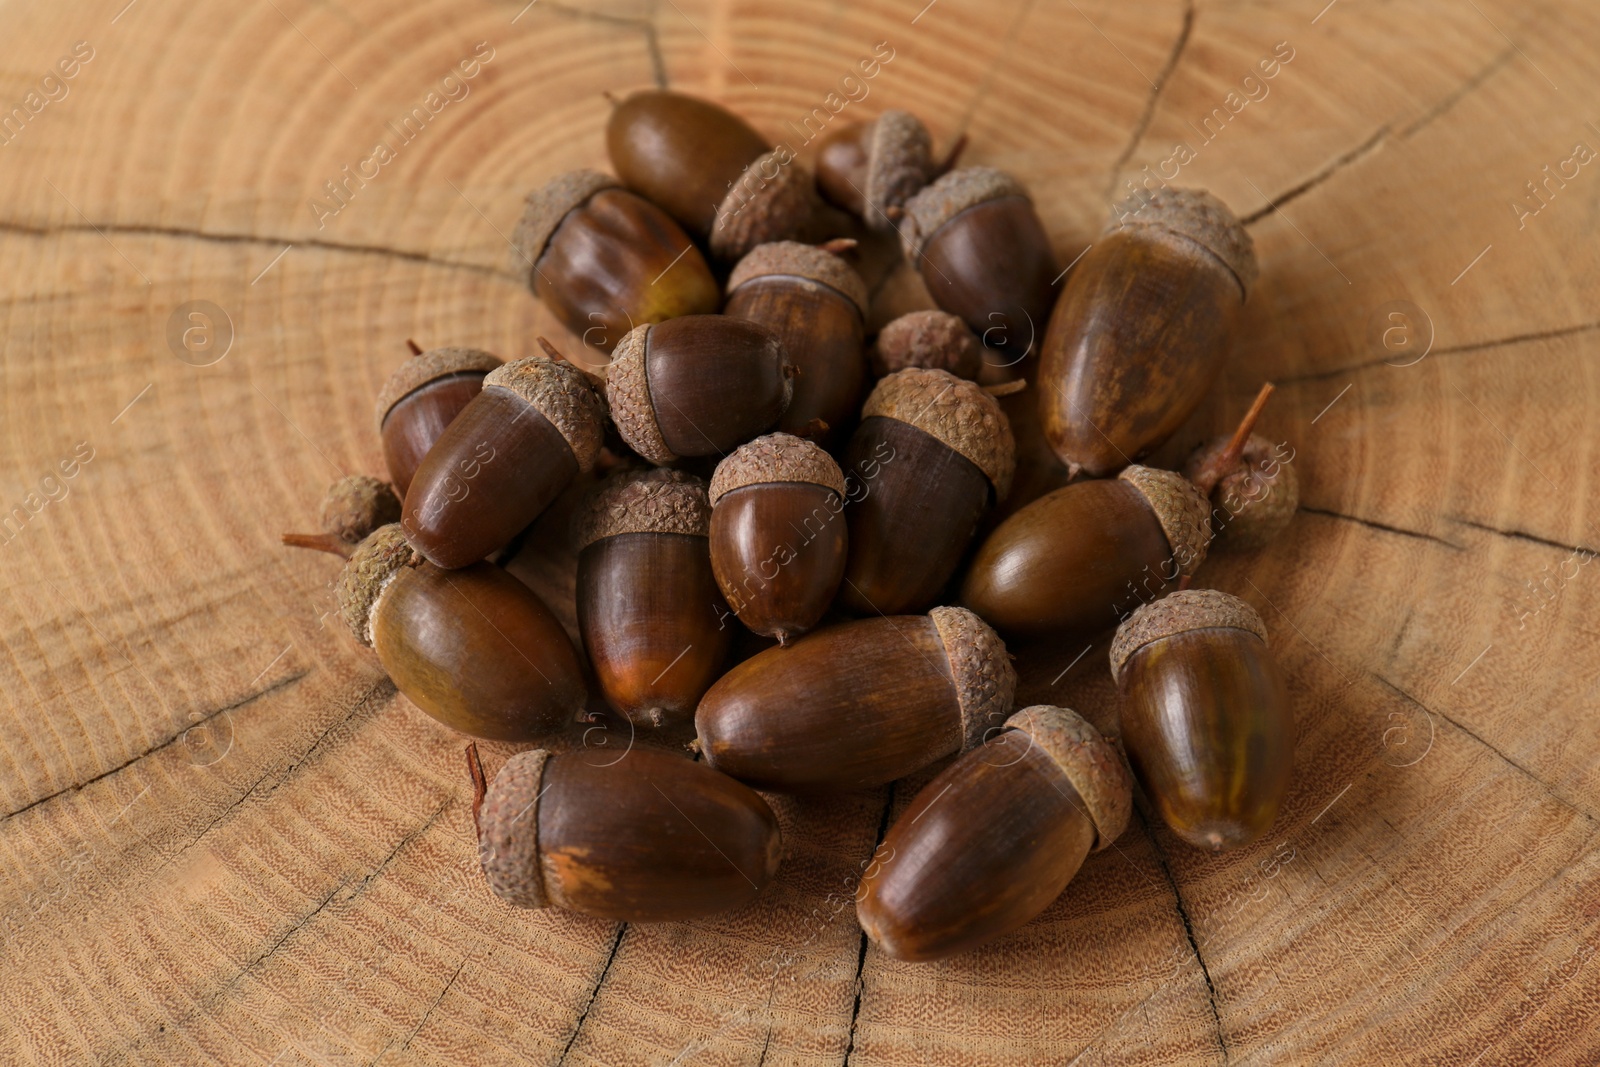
x=899 y=164
x=356 y=505
x=1088 y=760
x=655 y=500
x=508 y=826
x=432 y=365
x=986 y=682
x=933 y=339
x=1245 y=515
x=566 y=398
x=793 y=259
x=1187 y=609
x=777 y=457
x=628 y=397
x=1201 y=217
x=367 y=574
x=758 y=209
x=1183 y=513
x=952 y=410
x=545 y=209
x=948 y=197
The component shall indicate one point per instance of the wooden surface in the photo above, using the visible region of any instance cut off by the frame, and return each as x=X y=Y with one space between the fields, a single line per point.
x=225 y=839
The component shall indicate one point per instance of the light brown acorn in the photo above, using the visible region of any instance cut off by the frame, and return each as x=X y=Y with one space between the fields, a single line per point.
x=870 y=168
x=649 y=837
x=1206 y=720
x=932 y=454
x=778 y=533
x=933 y=339
x=988 y=844
x=605 y=259
x=355 y=505
x=857 y=705
x=652 y=620
x=420 y=399
x=1256 y=497
x=816 y=303
x=1139 y=333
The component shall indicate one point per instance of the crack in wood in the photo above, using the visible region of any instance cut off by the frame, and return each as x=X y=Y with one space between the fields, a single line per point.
x=1382 y=526
x=1555 y=333
x=1143 y=125
x=1188 y=930
x=1521 y=535
x=861 y=955
x=646 y=25
x=418 y=1028
x=1472 y=83
x=594 y=992
x=1295 y=192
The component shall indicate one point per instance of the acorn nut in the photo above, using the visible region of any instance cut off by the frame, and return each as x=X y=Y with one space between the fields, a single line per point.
x=420 y=399
x=869 y=168
x=933 y=339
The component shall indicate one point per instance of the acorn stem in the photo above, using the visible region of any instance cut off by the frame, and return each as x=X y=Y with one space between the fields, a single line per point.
x=480 y=785
x=999 y=389
x=949 y=162
x=416 y=349
x=839 y=245
x=321 y=542
x=1228 y=458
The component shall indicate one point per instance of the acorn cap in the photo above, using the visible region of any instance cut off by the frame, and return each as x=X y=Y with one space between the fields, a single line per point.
x=796 y=260
x=1187 y=609
x=985 y=680
x=948 y=197
x=758 y=209
x=1088 y=760
x=545 y=209
x=564 y=395
x=933 y=339
x=356 y=505
x=655 y=500
x=899 y=164
x=366 y=574
x=777 y=457
x=1184 y=514
x=432 y=365
x=508 y=827
x=628 y=397
x=954 y=411
x=1244 y=513
x=1205 y=220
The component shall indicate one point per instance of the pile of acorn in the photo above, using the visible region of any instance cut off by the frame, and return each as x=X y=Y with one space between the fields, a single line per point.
x=739 y=467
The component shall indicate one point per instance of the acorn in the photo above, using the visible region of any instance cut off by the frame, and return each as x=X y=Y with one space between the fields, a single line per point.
x=869 y=168
x=1258 y=494
x=604 y=259
x=1079 y=559
x=355 y=505
x=859 y=704
x=778 y=534
x=932 y=339
x=700 y=385
x=1140 y=331
x=1205 y=716
x=650 y=837
x=649 y=611
x=420 y=399
x=983 y=253
x=816 y=303
x=932 y=454
x=707 y=168
x=988 y=844
x=536 y=425
x=474 y=648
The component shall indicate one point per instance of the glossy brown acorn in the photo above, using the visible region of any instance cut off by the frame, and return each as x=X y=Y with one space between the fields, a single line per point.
x=1205 y=713
x=647 y=837
x=857 y=705
x=355 y=505
x=697 y=386
x=983 y=253
x=708 y=168
x=537 y=423
x=420 y=399
x=1140 y=331
x=989 y=843
x=474 y=648
x=872 y=168
x=778 y=533
x=605 y=259
x=653 y=623
x=932 y=453
x=934 y=339
x=815 y=302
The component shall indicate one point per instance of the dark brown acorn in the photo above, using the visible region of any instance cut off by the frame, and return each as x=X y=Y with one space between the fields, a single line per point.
x=1140 y=331
x=474 y=648
x=933 y=339
x=816 y=303
x=778 y=533
x=605 y=260
x=537 y=424
x=1256 y=497
x=420 y=399
x=1205 y=714
x=707 y=168
x=649 y=837
x=858 y=705
x=869 y=168
x=988 y=844
x=1079 y=559
x=932 y=454
x=697 y=386
x=983 y=253
x=355 y=505
x=652 y=620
